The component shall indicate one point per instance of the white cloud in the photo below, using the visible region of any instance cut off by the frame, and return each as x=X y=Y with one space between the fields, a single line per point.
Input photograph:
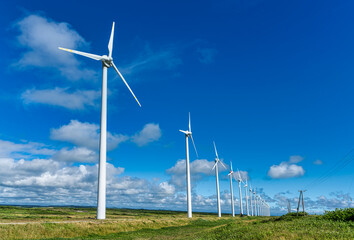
x=47 y=173
x=76 y=154
x=44 y=181
x=167 y=188
x=23 y=150
x=285 y=170
x=199 y=168
x=40 y=38
x=23 y=168
x=321 y=203
x=85 y=135
x=61 y=97
x=149 y=59
x=244 y=175
x=150 y=133
x=295 y=159
x=318 y=162
x=207 y=55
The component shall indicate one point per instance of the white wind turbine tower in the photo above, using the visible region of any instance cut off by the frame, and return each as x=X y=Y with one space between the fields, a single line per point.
x=217 y=160
x=107 y=62
x=239 y=187
x=251 y=200
x=248 y=212
x=259 y=205
x=188 y=134
x=255 y=202
x=232 y=190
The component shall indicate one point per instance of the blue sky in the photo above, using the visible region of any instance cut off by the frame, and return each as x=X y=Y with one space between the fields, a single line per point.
x=270 y=81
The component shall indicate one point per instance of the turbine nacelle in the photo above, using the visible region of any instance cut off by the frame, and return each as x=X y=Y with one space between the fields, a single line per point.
x=187 y=133
x=107 y=61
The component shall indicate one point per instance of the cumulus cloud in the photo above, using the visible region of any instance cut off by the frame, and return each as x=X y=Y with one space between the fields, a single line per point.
x=199 y=168
x=317 y=205
x=23 y=150
x=48 y=173
x=43 y=181
x=11 y=169
x=85 y=135
x=244 y=175
x=76 y=154
x=40 y=38
x=207 y=55
x=61 y=97
x=150 y=133
x=287 y=169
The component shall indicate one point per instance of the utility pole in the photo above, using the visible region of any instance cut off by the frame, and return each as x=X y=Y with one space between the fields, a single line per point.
x=303 y=204
x=301 y=199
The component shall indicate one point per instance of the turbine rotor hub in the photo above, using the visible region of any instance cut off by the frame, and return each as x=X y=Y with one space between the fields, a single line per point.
x=107 y=61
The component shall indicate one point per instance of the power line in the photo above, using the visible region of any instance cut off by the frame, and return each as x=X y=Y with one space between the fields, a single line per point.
x=339 y=165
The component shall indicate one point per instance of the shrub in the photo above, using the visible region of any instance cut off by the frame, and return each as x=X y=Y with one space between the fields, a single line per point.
x=294 y=214
x=344 y=215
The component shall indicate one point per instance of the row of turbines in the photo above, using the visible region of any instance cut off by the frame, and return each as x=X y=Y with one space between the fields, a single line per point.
x=259 y=207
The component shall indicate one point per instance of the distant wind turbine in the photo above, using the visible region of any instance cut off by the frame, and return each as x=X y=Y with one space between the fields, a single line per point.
x=251 y=200
x=259 y=205
x=107 y=62
x=231 y=190
x=255 y=202
x=188 y=134
x=239 y=187
x=217 y=160
x=248 y=212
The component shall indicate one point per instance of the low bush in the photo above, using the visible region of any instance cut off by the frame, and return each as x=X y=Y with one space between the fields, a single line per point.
x=344 y=215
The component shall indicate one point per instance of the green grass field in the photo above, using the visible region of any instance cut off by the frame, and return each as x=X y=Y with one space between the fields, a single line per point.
x=80 y=223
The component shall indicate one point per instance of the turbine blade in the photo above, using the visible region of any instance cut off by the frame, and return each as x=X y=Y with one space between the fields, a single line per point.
x=194 y=146
x=239 y=175
x=235 y=177
x=223 y=165
x=121 y=76
x=216 y=152
x=231 y=165
x=89 y=55
x=190 y=122
x=110 y=44
x=214 y=166
x=185 y=132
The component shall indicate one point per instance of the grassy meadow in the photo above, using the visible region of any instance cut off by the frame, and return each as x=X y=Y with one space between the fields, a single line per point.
x=80 y=223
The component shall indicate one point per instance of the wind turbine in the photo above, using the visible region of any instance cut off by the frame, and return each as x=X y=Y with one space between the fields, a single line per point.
x=259 y=205
x=107 y=62
x=217 y=160
x=251 y=200
x=188 y=134
x=239 y=187
x=231 y=190
x=255 y=202
x=248 y=212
